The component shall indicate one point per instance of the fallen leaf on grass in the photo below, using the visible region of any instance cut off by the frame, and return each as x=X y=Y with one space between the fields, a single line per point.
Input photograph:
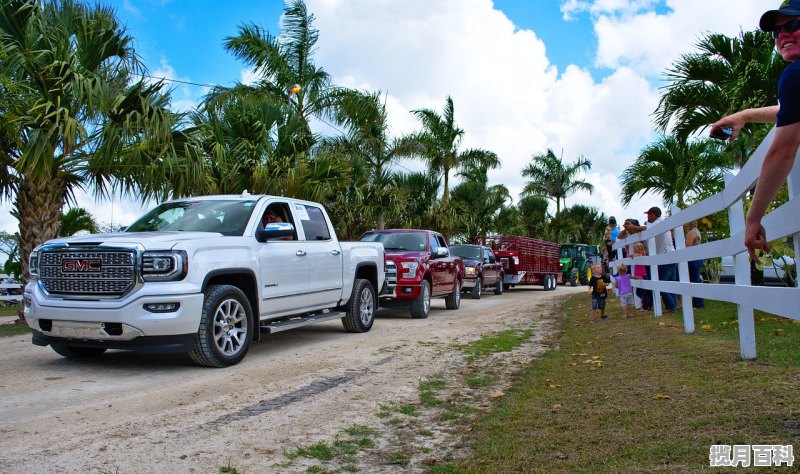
x=661 y=396
x=706 y=327
x=778 y=332
x=555 y=386
x=498 y=394
x=595 y=357
x=573 y=363
x=556 y=408
x=578 y=343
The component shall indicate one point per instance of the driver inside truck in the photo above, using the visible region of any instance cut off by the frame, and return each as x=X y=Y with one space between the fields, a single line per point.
x=272 y=214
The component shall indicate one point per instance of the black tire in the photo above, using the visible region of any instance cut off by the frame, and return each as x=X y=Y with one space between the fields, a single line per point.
x=226 y=327
x=421 y=307
x=453 y=300
x=554 y=284
x=498 y=285
x=74 y=352
x=477 y=289
x=573 y=277
x=360 y=310
x=585 y=275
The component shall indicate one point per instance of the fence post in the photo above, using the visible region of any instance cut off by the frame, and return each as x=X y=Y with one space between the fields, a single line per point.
x=793 y=183
x=683 y=277
x=741 y=265
x=651 y=250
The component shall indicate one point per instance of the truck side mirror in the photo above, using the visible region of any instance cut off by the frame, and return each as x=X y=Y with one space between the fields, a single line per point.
x=274 y=230
x=441 y=252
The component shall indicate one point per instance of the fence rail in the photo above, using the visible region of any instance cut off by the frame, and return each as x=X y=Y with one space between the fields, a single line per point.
x=10 y=293
x=781 y=222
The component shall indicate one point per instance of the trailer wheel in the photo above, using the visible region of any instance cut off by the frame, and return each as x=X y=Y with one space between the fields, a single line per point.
x=226 y=327
x=360 y=310
x=421 y=307
x=498 y=286
x=74 y=352
x=477 y=289
x=453 y=300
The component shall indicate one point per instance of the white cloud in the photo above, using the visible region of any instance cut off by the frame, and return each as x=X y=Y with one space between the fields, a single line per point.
x=183 y=97
x=650 y=42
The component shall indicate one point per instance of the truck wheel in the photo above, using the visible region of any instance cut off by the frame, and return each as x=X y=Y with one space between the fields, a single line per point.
x=498 y=286
x=506 y=286
x=573 y=277
x=477 y=289
x=554 y=282
x=361 y=307
x=421 y=307
x=73 y=352
x=226 y=327
x=453 y=300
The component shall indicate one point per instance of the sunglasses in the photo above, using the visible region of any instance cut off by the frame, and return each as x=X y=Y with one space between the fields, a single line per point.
x=789 y=27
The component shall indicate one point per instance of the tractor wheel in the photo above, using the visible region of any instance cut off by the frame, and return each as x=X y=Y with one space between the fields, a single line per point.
x=573 y=277
x=585 y=275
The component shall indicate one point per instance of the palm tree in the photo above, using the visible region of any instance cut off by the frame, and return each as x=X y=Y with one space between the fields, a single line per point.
x=675 y=170
x=367 y=141
x=73 y=117
x=442 y=138
x=477 y=203
x=552 y=179
x=77 y=219
x=726 y=75
x=284 y=62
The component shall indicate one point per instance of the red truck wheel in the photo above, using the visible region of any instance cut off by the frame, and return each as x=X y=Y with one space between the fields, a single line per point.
x=421 y=307
x=453 y=300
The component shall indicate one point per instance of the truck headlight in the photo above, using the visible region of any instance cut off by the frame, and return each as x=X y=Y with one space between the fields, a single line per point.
x=33 y=265
x=410 y=269
x=164 y=266
x=470 y=271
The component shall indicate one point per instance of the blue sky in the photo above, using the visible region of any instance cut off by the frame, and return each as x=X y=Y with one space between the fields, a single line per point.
x=578 y=76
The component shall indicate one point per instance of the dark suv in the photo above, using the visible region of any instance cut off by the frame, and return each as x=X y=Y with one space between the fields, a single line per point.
x=481 y=269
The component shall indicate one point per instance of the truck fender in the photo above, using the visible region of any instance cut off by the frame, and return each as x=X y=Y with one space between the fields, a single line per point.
x=367 y=271
x=242 y=278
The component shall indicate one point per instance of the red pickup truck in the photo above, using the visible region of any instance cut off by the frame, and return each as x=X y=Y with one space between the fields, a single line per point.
x=419 y=266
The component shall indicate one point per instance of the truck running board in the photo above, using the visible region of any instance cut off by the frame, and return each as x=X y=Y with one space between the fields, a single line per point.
x=279 y=326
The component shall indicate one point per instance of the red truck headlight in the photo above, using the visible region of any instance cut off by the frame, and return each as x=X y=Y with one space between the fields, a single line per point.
x=410 y=269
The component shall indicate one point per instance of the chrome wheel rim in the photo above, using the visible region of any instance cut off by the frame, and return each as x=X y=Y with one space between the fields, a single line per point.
x=366 y=307
x=230 y=327
x=426 y=297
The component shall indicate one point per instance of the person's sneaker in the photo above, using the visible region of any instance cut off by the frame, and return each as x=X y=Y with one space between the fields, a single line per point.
x=605 y=316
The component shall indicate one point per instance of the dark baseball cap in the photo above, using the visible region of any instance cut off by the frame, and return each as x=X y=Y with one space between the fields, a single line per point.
x=654 y=210
x=788 y=7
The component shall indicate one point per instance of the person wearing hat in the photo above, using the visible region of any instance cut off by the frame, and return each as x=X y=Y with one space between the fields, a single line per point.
x=667 y=271
x=784 y=24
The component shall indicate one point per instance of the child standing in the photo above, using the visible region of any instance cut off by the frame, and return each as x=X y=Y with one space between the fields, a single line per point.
x=640 y=273
x=597 y=286
x=622 y=282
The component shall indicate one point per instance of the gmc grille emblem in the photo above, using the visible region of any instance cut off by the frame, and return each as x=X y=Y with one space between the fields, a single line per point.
x=80 y=266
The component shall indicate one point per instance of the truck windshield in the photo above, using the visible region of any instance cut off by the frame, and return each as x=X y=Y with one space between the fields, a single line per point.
x=469 y=252
x=224 y=217
x=397 y=241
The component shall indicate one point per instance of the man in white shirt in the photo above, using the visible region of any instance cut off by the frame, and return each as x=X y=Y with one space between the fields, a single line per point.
x=667 y=271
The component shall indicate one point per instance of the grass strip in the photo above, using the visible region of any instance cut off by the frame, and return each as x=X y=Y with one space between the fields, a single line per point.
x=640 y=395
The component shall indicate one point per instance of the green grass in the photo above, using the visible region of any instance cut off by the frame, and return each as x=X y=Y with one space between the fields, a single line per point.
x=640 y=395
x=503 y=341
x=428 y=391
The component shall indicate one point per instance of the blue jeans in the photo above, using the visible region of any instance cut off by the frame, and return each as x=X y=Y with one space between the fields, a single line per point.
x=694 y=277
x=668 y=272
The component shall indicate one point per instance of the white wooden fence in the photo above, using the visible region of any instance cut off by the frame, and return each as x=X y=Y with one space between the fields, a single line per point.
x=779 y=223
x=10 y=293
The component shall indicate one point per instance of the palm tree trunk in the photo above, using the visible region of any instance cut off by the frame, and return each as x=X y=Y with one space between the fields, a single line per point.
x=37 y=208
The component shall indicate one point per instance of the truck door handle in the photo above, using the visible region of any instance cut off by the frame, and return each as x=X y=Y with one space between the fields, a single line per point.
x=301 y=253
x=335 y=252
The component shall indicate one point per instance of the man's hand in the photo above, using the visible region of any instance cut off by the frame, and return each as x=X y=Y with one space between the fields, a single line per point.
x=755 y=237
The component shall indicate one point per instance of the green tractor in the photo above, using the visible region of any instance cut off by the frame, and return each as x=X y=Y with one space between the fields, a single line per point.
x=576 y=267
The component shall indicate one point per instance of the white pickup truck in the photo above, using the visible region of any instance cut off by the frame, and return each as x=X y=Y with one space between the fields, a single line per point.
x=204 y=275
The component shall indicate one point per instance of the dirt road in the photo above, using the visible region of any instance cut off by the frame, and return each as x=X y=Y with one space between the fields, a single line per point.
x=131 y=413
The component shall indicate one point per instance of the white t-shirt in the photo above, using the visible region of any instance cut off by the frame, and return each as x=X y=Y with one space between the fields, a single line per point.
x=664 y=241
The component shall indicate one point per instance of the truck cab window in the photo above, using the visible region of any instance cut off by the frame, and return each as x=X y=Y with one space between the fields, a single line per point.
x=315 y=227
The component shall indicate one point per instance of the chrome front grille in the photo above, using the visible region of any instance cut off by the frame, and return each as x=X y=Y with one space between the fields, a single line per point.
x=88 y=273
x=391 y=277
